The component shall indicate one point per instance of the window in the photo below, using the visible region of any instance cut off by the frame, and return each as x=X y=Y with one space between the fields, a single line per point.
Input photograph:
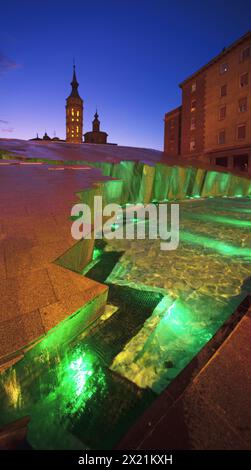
x=245 y=54
x=223 y=68
x=241 y=162
x=223 y=90
x=192 y=124
x=222 y=136
x=72 y=111
x=243 y=105
x=193 y=87
x=244 y=80
x=241 y=131
x=193 y=105
x=221 y=161
x=77 y=129
x=222 y=112
x=77 y=113
x=192 y=145
x=171 y=130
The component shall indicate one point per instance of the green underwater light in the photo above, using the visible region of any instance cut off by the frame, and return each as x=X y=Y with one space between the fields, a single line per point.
x=242 y=210
x=216 y=245
x=80 y=371
x=221 y=220
x=97 y=252
x=80 y=378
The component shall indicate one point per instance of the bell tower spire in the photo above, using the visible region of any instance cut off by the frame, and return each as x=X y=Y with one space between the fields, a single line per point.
x=96 y=122
x=74 y=113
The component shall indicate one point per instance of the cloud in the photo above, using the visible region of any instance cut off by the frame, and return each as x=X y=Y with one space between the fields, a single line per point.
x=7 y=64
x=6 y=127
x=8 y=130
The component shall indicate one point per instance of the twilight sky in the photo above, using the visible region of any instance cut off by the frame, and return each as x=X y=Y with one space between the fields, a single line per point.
x=130 y=56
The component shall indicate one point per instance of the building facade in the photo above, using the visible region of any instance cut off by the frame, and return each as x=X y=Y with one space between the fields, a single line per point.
x=214 y=121
x=173 y=132
x=74 y=114
x=96 y=136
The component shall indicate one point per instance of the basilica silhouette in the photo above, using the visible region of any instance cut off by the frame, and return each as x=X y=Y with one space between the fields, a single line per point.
x=75 y=119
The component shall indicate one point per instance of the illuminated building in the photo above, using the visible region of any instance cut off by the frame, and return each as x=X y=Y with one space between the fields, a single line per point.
x=74 y=113
x=96 y=136
x=214 y=122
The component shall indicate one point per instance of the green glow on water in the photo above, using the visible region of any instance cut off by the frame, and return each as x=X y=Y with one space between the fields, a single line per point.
x=221 y=219
x=172 y=334
x=55 y=389
x=179 y=320
x=164 y=307
x=81 y=371
x=241 y=210
x=97 y=252
x=79 y=377
x=216 y=245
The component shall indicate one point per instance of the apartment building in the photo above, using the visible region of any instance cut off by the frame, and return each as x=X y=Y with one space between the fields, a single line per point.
x=214 y=122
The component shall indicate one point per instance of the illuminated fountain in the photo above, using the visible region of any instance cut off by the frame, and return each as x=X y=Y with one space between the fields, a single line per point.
x=85 y=387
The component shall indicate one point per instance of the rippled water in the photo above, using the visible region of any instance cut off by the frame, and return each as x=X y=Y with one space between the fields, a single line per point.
x=203 y=281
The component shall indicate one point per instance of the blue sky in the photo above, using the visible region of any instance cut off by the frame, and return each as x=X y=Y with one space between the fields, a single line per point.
x=130 y=56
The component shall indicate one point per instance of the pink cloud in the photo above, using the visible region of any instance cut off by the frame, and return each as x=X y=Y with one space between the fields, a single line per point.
x=7 y=64
x=8 y=130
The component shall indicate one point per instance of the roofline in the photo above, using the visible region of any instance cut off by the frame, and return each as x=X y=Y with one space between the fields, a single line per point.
x=217 y=57
x=174 y=111
x=96 y=132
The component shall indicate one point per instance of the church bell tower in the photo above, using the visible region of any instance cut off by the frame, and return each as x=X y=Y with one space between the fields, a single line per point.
x=74 y=114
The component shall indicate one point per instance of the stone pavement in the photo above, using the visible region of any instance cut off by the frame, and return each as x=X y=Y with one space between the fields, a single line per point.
x=63 y=151
x=35 y=229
